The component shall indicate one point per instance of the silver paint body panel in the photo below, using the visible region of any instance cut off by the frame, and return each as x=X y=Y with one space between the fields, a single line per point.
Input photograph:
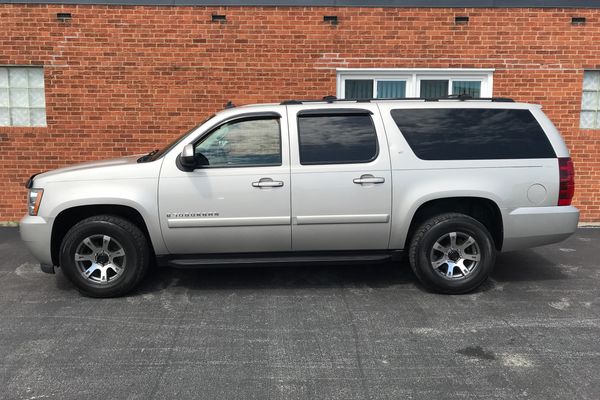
x=329 y=210
x=318 y=207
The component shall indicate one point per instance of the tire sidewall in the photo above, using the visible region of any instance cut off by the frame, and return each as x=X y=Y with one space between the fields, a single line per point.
x=88 y=228
x=470 y=227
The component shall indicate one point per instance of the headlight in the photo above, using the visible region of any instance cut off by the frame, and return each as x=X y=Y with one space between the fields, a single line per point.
x=35 y=198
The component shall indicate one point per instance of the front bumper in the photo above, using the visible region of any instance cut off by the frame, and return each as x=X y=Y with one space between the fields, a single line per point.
x=537 y=226
x=36 y=232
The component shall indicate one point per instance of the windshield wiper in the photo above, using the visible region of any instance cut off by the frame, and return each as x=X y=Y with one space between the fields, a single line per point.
x=147 y=156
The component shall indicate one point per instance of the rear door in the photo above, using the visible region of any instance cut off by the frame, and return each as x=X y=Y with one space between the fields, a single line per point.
x=341 y=180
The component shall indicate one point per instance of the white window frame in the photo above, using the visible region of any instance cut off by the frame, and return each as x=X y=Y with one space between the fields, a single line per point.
x=414 y=76
x=29 y=107
x=596 y=111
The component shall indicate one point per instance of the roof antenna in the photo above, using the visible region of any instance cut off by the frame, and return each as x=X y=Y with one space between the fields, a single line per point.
x=329 y=99
x=229 y=105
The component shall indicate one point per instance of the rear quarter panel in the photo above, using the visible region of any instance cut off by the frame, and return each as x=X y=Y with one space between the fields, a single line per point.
x=506 y=182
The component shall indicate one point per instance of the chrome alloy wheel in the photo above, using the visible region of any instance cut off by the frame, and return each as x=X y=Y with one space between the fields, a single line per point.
x=455 y=255
x=100 y=259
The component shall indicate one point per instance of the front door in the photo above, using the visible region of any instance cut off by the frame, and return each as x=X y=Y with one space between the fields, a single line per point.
x=341 y=179
x=240 y=201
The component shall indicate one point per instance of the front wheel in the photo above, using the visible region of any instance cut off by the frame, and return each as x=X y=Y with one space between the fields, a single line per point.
x=452 y=253
x=104 y=256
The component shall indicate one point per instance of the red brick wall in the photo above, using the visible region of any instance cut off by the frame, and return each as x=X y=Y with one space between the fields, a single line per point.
x=121 y=80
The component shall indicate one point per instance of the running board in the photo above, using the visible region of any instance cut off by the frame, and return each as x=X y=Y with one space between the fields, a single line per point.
x=239 y=260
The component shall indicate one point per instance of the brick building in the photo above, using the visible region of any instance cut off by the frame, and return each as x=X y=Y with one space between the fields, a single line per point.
x=83 y=80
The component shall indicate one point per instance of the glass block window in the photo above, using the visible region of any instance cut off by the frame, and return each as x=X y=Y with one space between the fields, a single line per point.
x=22 y=98
x=590 y=101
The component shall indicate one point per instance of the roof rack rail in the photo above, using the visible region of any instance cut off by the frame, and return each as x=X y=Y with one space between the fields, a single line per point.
x=460 y=97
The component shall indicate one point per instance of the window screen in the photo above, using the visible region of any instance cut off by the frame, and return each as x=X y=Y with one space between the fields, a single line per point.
x=434 y=89
x=336 y=139
x=359 y=88
x=471 y=88
x=472 y=134
x=391 y=89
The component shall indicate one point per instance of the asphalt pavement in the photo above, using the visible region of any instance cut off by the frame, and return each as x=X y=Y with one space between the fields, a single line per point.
x=313 y=332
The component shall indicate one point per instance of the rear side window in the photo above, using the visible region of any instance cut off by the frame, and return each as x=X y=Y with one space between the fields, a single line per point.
x=473 y=134
x=336 y=138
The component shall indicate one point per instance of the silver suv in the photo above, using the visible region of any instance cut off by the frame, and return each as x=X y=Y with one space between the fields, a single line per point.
x=450 y=182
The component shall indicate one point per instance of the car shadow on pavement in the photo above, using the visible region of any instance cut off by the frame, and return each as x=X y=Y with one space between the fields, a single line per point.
x=280 y=277
x=525 y=265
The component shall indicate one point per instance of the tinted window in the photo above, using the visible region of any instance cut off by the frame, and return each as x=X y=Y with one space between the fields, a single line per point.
x=247 y=142
x=434 y=88
x=336 y=139
x=473 y=134
x=359 y=88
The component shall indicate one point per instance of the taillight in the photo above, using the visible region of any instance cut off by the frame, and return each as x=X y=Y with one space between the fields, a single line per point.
x=567 y=181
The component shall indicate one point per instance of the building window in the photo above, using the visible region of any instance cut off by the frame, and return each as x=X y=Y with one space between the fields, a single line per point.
x=401 y=83
x=590 y=101
x=22 y=98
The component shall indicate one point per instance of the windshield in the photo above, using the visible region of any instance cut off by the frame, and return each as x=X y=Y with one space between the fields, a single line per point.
x=158 y=154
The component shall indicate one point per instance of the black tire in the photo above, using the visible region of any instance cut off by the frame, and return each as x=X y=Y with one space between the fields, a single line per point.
x=126 y=236
x=436 y=228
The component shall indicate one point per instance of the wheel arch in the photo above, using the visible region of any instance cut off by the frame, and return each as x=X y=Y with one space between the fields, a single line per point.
x=68 y=217
x=483 y=209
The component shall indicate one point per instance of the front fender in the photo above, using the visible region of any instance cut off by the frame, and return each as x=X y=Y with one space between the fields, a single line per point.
x=138 y=194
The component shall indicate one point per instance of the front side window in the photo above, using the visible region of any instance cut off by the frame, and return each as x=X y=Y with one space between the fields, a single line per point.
x=472 y=133
x=590 y=101
x=242 y=143
x=336 y=139
x=22 y=98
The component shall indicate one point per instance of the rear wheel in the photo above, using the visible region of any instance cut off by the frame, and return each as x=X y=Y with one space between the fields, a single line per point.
x=104 y=256
x=452 y=253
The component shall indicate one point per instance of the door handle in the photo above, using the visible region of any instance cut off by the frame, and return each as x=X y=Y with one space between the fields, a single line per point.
x=267 y=182
x=368 y=178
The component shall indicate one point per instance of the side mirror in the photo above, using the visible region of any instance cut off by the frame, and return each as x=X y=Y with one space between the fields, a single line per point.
x=187 y=158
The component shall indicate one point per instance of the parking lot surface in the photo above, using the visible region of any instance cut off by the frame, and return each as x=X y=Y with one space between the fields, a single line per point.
x=313 y=332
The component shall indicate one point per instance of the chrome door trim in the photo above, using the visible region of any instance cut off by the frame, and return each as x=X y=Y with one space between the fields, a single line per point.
x=342 y=219
x=223 y=222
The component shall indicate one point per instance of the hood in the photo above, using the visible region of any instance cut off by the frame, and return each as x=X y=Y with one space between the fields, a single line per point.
x=117 y=168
